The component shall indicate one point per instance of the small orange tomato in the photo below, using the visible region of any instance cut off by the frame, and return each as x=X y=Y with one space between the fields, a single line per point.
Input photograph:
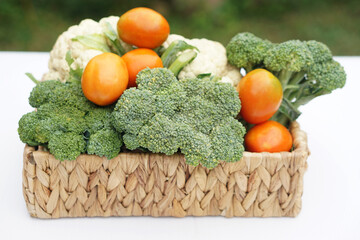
x=143 y=27
x=138 y=59
x=261 y=94
x=104 y=79
x=270 y=137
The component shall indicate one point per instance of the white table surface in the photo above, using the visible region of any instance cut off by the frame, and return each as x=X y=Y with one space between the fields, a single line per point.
x=331 y=199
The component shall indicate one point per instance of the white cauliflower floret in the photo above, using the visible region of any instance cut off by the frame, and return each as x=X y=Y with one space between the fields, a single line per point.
x=58 y=67
x=211 y=58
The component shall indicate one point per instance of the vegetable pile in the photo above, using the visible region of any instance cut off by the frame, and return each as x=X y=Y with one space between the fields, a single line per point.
x=125 y=84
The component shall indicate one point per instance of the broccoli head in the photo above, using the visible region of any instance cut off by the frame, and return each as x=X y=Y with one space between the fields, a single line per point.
x=26 y=128
x=245 y=50
x=66 y=145
x=67 y=123
x=42 y=93
x=105 y=142
x=98 y=118
x=320 y=52
x=306 y=69
x=288 y=58
x=321 y=79
x=195 y=116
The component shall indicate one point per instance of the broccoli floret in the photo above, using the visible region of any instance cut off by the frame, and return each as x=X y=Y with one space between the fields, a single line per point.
x=287 y=59
x=26 y=129
x=224 y=137
x=66 y=146
x=41 y=93
x=98 y=118
x=71 y=94
x=320 y=52
x=165 y=115
x=245 y=50
x=105 y=142
x=305 y=69
x=322 y=78
x=63 y=117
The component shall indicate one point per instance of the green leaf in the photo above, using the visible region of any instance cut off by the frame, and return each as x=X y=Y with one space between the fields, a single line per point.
x=171 y=53
x=32 y=78
x=203 y=75
x=93 y=41
x=68 y=58
x=160 y=50
x=113 y=37
x=74 y=74
x=181 y=61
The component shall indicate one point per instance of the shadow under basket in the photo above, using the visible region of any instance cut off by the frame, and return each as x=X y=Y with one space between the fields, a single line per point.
x=148 y=184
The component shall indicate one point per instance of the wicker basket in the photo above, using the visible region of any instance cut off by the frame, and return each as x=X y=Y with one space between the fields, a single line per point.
x=139 y=184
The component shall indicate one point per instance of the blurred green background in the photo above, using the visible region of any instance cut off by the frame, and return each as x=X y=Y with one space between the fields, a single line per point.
x=33 y=25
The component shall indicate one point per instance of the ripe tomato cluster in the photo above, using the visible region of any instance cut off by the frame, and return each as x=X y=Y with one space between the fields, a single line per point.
x=261 y=94
x=107 y=75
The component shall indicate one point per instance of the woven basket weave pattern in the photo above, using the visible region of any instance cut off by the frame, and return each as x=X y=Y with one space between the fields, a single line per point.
x=134 y=184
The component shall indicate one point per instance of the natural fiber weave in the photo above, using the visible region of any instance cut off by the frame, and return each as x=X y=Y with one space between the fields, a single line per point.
x=134 y=184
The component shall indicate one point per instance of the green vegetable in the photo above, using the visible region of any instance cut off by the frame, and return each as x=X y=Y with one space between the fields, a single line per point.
x=195 y=116
x=305 y=69
x=183 y=60
x=66 y=145
x=175 y=58
x=114 y=40
x=247 y=51
x=74 y=74
x=288 y=59
x=67 y=123
x=94 y=41
x=26 y=128
x=105 y=142
x=171 y=53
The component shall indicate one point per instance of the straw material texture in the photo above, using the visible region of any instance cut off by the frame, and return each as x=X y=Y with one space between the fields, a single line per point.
x=147 y=184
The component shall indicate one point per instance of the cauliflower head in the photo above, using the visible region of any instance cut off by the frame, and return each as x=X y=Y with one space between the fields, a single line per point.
x=58 y=67
x=211 y=58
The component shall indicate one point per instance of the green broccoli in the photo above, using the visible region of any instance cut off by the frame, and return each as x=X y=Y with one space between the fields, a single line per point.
x=310 y=72
x=306 y=69
x=287 y=60
x=320 y=52
x=105 y=142
x=98 y=118
x=195 y=116
x=66 y=145
x=65 y=121
x=42 y=93
x=26 y=128
x=245 y=50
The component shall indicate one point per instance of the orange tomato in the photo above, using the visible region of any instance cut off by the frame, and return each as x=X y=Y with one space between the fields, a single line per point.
x=270 y=137
x=261 y=94
x=104 y=79
x=143 y=27
x=138 y=59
